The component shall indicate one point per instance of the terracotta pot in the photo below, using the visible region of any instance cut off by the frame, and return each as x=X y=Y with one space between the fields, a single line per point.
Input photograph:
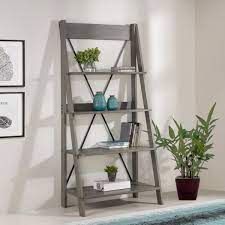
x=187 y=188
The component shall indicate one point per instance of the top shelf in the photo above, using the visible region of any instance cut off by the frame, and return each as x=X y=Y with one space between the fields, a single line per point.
x=105 y=73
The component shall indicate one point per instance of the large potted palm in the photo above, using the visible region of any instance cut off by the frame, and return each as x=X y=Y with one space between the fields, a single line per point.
x=190 y=150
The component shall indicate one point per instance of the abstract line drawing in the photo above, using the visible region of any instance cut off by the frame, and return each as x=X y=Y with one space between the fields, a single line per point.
x=6 y=66
x=5 y=122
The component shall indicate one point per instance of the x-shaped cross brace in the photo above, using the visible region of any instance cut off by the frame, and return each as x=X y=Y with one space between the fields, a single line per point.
x=103 y=117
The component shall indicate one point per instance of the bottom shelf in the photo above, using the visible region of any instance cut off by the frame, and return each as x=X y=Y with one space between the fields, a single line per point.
x=89 y=191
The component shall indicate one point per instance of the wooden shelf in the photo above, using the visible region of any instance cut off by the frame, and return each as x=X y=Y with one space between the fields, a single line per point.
x=105 y=151
x=122 y=111
x=105 y=73
x=87 y=108
x=90 y=193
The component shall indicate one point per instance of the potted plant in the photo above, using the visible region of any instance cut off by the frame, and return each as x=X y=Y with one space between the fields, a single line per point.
x=190 y=150
x=111 y=171
x=87 y=58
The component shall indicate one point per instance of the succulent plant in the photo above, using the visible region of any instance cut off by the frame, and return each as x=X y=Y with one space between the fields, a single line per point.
x=111 y=169
x=87 y=56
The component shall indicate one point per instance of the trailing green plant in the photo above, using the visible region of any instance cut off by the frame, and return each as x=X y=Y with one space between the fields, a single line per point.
x=190 y=148
x=111 y=169
x=87 y=56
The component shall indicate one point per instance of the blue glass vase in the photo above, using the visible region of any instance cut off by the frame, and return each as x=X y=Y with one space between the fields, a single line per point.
x=99 y=102
x=112 y=103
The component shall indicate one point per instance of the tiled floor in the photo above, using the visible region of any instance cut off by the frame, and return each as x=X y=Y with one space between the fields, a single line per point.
x=59 y=216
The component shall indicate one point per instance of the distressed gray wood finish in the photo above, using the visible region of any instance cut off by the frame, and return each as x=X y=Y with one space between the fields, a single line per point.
x=97 y=31
x=80 y=194
x=103 y=151
x=134 y=101
x=75 y=150
x=68 y=108
x=64 y=71
x=90 y=193
x=148 y=120
x=105 y=73
x=67 y=95
x=84 y=107
x=121 y=111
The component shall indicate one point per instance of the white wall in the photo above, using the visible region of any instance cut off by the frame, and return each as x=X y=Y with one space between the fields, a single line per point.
x=210 y=79
x=30 y=167
x=169 y=49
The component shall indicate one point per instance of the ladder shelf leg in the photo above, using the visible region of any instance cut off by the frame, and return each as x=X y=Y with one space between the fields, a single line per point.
x=147 y=118
x=64 y=68
x=79 y=186
x=134 y=103
x=156 y=177
x=81 y=206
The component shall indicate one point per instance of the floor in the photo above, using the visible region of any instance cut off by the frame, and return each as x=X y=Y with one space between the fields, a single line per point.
x=60 y=216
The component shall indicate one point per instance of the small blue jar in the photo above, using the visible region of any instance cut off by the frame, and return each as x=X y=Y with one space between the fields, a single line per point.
x=112 y=103
x=99 y=102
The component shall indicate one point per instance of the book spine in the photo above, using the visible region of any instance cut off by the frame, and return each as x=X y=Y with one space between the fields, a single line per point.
x=134 y=135
x=137 y=140
x=131 y=135
x=123 y=69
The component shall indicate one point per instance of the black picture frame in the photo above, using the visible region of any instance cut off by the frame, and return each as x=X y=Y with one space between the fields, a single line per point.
x=23 y=114
x=23 y=63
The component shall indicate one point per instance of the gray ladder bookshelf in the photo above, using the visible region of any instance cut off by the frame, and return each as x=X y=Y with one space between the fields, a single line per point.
x=69 y=109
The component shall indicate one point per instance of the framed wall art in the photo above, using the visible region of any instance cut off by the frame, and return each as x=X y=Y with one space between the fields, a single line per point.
x=12 y=63
x=12 y=114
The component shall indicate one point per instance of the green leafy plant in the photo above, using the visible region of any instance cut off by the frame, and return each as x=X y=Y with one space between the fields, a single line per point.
x=190 y=148
x=111 y=169
x=87 y=56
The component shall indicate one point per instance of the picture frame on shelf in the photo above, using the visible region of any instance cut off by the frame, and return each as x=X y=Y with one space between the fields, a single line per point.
x=12 y=63
x=12 y=114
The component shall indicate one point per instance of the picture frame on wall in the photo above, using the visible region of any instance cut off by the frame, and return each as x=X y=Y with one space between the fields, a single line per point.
x=12 y=109
x=12 y=63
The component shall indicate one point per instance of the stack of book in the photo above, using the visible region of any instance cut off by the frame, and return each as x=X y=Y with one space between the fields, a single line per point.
x=113 y=144
x=130 y=132
x=123 y=69
x=105 y=185
x=129 y=137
